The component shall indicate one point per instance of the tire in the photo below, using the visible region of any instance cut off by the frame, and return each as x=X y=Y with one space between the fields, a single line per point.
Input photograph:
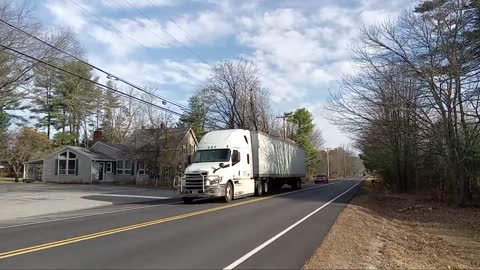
x=187 y=200
x=259 y=188
x=293 y=184
x=265 y=187
x=228 y=192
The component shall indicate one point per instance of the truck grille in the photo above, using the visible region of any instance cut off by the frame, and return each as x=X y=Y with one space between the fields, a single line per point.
x=194 y=180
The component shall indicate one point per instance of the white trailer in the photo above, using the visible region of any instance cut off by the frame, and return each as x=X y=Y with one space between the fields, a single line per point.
x=273 y=157
x=236 y=163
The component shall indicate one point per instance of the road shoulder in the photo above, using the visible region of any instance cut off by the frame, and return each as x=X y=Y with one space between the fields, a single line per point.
x=378 y=231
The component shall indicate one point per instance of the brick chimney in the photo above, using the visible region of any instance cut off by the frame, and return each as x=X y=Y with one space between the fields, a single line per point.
x=98 y=135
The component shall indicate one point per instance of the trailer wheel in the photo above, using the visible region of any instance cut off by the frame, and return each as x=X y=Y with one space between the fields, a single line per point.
x=258 y=188
x=228 y=192
x=295 y=184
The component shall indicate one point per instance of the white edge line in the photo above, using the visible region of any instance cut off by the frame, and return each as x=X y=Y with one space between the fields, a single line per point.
x=271 y=240
x=132 y=208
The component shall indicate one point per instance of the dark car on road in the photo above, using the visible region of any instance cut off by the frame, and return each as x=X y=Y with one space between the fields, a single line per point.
x=321 y=178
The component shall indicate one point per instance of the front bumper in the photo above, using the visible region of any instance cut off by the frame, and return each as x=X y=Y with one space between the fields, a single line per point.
x=208 y=192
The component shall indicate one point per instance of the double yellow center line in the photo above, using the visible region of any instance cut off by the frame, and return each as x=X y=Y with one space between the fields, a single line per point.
x=131 y=227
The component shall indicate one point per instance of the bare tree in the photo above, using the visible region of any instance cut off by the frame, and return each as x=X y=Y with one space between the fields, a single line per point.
x=418 y=88
x=236 y=97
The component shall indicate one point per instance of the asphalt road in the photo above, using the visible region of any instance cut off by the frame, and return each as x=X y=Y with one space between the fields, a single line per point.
x=275 y=232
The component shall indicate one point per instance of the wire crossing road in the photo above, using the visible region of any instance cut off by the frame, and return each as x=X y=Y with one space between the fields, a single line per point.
x=280 y=231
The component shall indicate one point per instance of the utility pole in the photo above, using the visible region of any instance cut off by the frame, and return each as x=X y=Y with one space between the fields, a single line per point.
x=328 y=163
x=345 y=162
x=285 y=124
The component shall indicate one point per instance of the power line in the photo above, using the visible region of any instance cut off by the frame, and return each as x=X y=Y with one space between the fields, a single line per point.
x=89 y=80
x=181 y=28
x=136 y=41
x=159 y=38
x=155 y=34
x=108 y=24
x=171 y=20
x=166 y=32
x=109 y=75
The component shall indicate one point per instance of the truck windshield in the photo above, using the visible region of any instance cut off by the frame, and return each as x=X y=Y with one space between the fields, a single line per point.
x=212 y=155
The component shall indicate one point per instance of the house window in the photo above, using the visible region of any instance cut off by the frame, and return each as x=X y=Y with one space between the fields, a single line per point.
x=128 y=167
x=248 y=158
x=67 y=163
x=120 y=167
x=108 y=167
x=124 y=166
x=141 y=167
x=184 y=149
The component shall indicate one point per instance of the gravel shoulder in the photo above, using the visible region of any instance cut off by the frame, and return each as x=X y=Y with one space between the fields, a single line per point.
x=379 y=230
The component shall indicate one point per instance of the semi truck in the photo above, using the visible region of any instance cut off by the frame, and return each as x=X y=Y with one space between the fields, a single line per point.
x=236 y=163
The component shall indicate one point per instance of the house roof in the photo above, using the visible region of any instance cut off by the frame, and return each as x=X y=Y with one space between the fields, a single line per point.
x=141 y=138
x=80 y=150
x=119 y=146
x=90 y=154
x=34 y=161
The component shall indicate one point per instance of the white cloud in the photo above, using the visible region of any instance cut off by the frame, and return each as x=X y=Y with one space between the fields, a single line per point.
x=142 y=33
x=205 y=27
x=188 y=74
x=68 y=14
x=141 y=3
x=301 y=47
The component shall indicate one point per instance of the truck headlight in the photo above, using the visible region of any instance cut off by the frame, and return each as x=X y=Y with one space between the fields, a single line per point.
x=213 y=179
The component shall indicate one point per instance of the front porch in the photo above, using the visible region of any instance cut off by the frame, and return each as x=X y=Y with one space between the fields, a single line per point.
x=32 y=171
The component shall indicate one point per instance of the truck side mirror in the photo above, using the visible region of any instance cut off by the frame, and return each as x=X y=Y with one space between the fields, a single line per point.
x=235 y=157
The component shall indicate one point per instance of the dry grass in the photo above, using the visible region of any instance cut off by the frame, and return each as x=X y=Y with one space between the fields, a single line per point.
x=8 y=180
x=389 y=231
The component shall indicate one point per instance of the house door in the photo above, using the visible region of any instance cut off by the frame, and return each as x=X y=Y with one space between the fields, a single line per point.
x=100 y=170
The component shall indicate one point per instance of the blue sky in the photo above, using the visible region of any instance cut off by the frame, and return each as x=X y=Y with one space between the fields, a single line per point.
x=301 y=47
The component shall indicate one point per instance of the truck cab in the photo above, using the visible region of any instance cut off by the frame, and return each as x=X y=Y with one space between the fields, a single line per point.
x=221 y=167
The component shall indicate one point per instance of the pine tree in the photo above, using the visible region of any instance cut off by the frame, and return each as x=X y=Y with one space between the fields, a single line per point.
x=45 y=81
x=111 y=103
x=196 y=116
x=303 y=136
x=74 y=97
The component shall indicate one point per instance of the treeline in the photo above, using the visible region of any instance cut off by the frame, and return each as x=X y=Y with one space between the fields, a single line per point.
x=414 y=105
x=342 y=162
x=64 y=108
x=43 y=108
x=32 y=94
x=233 y=97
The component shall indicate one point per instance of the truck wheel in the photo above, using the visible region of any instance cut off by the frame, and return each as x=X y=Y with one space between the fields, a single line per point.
x=258 y=188
x=228 y=192
x=293 y=185
x=187 y=200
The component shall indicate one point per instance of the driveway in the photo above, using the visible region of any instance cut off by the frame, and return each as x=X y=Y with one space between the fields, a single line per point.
x=20 y=201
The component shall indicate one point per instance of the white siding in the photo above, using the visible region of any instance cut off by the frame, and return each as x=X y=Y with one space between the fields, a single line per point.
x=273 y=157
x=84 y=170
